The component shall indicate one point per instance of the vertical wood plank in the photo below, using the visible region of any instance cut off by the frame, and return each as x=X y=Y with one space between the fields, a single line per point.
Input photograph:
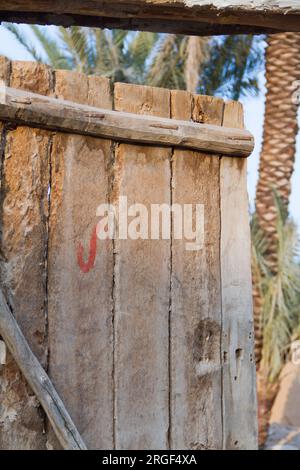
x=4 y=77
x=4 y=69
x=24 y=213
x=196 y=406
x=239 y=386
x=142 y=288
x=80 y=296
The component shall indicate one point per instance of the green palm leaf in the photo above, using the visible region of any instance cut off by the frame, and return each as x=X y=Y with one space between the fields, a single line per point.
x=226 y=66
x=280 y=292
x=74 y=41
x=52 y=49
x=24 y=41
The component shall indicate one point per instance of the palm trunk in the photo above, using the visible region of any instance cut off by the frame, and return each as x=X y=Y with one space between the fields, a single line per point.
x=275 y=172
x=280 y=132
x=196 y=56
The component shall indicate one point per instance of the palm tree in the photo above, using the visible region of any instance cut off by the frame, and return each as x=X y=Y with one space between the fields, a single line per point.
x=119 y=55
x=197 y=54
x=280 y=133
x=179 y=61
x=226 y=66
x=234 y=63
x=280 y=291
x=223 y=66
x=280 y=312
x=275 y=173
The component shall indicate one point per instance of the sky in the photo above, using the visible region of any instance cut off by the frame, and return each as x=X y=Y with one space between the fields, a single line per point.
x=254 y=115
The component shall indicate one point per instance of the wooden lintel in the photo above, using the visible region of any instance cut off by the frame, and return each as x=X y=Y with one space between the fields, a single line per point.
x=199 y=17
x=22 y=107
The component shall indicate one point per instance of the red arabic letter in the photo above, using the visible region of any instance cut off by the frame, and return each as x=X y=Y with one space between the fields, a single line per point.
x=86 y=267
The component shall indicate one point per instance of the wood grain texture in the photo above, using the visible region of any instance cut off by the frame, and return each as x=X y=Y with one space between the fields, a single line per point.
x=24 y=212
x=198 y=17
x=142 y=283
x=4 y=70
x=49 y=113
x=239 y=385
x=4 y=80
x=196 y=401
x=38 y=380
x=80 y=301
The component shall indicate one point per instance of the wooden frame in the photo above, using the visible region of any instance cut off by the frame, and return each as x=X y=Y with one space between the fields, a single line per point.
x=32 y=109
x=195 y=17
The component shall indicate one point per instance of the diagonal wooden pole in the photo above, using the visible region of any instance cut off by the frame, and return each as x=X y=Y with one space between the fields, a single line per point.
x=39 y=381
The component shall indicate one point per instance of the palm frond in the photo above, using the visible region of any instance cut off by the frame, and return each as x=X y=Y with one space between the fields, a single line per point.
x=74 y=42
x=166 y=69
x=227 y=66
x=52 y=49
x=233 y=66
x=280 y=294
x=102 y=56
x=196 y=56
x=24 y=41
x=140 y=49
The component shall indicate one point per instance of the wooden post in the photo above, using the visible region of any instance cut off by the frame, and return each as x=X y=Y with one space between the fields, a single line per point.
x=142 y=282
x=196 y=323
x=80 y=294
x=23 y=217
x=239 y=386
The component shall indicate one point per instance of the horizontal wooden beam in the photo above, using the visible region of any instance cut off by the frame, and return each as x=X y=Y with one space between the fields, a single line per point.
x=38 y=380
x=31 y=109
x=199 y=17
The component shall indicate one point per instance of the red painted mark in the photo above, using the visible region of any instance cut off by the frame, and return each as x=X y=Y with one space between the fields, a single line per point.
x=86 y=267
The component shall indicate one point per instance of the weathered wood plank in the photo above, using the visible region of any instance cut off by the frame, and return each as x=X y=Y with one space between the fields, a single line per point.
x=239 y=385
x=182 y=16
x=81 y=270
x=142 y=288
x=4 y=79
x=24 y=212
x=38 y=380
x=4 y=70
x=51 y=113
x=3 y=351
x=196 y=405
